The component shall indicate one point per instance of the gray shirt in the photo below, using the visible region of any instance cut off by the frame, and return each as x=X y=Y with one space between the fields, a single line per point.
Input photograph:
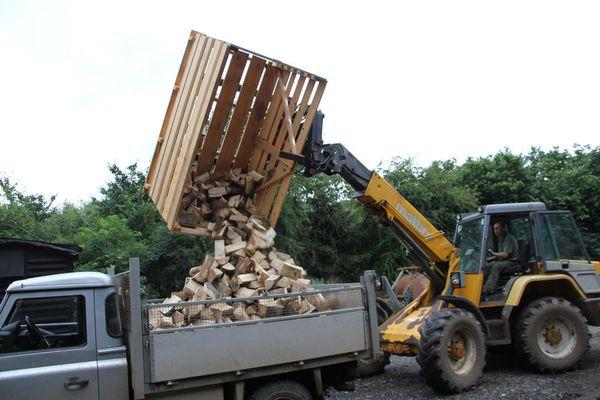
x=508 y=244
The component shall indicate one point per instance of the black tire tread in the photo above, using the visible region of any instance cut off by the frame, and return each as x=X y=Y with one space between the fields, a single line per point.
x=526 y=318
x=428 y=356
x=268 y=389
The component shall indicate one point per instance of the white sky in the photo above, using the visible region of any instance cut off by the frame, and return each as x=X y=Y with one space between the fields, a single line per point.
x=84 y=84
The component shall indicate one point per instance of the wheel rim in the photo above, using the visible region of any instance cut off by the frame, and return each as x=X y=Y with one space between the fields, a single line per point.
x=556 y=337
x=461 y=352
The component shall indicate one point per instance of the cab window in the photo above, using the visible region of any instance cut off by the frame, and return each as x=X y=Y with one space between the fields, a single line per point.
x=520 y=228
x=560 y=238
x=111 y=311
x=469 y=237
x=44 y=323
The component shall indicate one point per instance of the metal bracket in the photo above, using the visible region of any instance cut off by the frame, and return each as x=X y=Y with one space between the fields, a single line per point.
x=389 y=291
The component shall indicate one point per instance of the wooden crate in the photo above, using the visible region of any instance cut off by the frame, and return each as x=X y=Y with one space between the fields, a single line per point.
x=231 y=108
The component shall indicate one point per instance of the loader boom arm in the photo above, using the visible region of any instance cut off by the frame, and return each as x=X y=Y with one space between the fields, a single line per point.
x=427 y=246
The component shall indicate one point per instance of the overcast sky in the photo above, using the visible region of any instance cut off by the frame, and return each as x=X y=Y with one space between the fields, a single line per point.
x=86 y=84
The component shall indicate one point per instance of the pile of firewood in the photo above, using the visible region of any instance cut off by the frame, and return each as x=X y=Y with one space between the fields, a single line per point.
x=244 y=264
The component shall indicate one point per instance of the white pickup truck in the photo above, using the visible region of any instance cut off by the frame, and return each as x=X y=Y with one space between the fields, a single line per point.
x=86 y=335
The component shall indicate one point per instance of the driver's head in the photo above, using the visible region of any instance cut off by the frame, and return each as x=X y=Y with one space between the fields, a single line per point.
x=499 y=229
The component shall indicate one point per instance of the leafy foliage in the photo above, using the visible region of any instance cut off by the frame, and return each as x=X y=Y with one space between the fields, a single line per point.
x=328 y=232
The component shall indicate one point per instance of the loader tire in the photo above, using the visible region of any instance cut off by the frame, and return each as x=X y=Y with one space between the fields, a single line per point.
x=281 y=390
x=552 y=335
x=451 y=351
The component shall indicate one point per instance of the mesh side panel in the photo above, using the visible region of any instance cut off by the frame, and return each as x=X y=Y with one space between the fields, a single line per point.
x=230 y=310
x=122 y=284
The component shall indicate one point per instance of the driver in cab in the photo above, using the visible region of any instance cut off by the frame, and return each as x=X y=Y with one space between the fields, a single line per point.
x=501 y=260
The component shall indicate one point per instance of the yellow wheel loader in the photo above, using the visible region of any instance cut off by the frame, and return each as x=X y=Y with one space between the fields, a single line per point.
x=542 y=305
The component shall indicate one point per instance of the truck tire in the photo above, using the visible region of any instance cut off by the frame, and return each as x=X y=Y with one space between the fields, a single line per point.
x=451 y=351
x=281 y=390
x=552 y=335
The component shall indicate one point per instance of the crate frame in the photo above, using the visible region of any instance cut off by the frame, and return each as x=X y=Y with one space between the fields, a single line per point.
x=231 y=108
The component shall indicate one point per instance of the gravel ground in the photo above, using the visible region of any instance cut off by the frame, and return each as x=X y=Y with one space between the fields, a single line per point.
x=503 y=378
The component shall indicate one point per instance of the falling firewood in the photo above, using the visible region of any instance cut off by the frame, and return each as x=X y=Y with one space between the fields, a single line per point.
x=244 y=263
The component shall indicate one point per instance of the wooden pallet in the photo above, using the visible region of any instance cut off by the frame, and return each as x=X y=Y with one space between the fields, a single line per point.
x=231 y=108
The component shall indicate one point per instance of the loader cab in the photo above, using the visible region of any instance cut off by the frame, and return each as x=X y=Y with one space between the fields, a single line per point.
x=544 y=238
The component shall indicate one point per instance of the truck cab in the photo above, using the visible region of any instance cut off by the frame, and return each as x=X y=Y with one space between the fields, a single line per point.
x=60 y=336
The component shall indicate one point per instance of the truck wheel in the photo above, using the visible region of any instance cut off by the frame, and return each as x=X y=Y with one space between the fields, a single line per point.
x=451 y=351
x=281 y=390
x=552 y=335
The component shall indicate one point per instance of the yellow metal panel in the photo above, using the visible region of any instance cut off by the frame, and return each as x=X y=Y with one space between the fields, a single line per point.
x=406 y=330
x=400 y=333
x=518 y=288
x=596 y=265
x=472 y=289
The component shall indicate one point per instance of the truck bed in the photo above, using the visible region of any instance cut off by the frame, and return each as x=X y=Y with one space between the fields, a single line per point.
x=186 y=352
x=227 y=351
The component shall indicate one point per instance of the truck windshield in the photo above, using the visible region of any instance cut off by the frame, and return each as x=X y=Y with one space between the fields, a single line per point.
x=469 y=236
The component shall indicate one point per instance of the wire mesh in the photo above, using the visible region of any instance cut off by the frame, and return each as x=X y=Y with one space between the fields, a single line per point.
x=236 y=310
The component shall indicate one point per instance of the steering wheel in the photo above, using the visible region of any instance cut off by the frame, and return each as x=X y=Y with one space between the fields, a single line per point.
x=35 y=331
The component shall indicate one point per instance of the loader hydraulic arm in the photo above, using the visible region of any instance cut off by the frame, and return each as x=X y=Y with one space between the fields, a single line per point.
x=427 y=247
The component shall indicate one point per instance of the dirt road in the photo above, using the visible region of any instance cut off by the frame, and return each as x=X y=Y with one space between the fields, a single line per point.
x=504 y=378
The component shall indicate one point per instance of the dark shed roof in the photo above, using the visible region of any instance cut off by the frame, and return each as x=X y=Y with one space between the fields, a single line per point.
x=21 y=259
x=68 y=249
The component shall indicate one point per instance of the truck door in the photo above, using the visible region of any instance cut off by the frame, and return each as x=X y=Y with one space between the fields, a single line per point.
x=57 y=362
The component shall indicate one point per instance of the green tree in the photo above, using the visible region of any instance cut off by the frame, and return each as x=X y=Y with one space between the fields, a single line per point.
x=570 y=180
x=501 y=178
x=108 y=241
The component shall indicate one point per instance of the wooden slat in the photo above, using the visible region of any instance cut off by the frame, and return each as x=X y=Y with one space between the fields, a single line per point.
x=267 y=127
x=179 y=125
x=186 y=100
x=278 y=139
x=168 y=147
x=265 y=199
x=189 y=50
x=275 y=151
x=224 y=104
x=240 y=114
x=288 y=118
x=281 y=193
x=187 y=154
x=259 y=110
x=272 y=124
x=272 y=195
